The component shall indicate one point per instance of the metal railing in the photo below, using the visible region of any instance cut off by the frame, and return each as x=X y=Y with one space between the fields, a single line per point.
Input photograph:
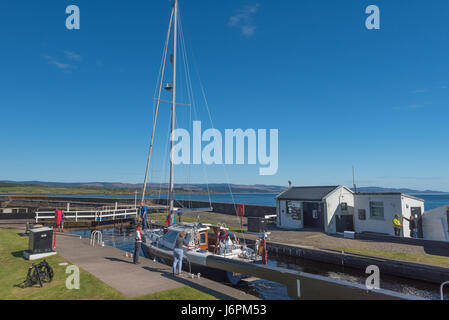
x=97 y=215
x=96 y=235
x=442 y=288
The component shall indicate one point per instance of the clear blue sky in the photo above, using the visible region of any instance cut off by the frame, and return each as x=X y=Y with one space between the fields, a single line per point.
x=77 y=105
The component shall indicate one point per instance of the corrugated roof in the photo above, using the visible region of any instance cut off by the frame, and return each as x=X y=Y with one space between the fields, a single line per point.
x=306 y=193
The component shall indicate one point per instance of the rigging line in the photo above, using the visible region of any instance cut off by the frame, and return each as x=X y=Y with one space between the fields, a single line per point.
x=212 y=123
x=189 y=95
x=193 y=99
x=157 y=106
x=164 y=163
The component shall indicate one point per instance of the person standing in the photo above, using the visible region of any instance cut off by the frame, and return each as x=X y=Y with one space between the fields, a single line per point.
x=137 y=244
x=143 y=215
x=224 y=237
x=412 y=224
x=178 y=252
x=61 y=226
x=397 y=225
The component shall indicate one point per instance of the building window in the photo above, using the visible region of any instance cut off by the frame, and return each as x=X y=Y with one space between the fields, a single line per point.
x=344 y=207
x=362 y=214
x=376 y=210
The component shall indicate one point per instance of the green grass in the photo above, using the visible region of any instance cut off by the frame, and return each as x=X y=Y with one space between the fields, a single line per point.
x=60 y=190
x=14 y=269
x=403 y=256
x=17 y=189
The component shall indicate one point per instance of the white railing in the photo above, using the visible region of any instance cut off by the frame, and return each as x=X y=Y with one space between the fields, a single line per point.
x=97 y=215
x=98 y=236
x=441 y=289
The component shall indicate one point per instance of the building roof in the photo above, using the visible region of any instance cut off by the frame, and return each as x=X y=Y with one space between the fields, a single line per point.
x=306 y=193
x=389 y=194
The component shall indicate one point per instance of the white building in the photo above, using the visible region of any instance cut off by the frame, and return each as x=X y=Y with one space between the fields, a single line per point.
x=337 y=209
x=435 y=224
x=375 y=212
x=314 y=207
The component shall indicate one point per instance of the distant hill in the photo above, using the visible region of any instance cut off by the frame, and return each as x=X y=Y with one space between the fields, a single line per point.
x=214 y=187
x=199 y=188
x=402 y=190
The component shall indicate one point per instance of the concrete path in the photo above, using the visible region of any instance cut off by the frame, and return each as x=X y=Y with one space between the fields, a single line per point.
x=112 y=267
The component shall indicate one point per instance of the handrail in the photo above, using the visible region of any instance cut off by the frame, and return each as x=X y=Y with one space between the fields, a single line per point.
x=91 y=214
x=97 y=234
x=441 y=289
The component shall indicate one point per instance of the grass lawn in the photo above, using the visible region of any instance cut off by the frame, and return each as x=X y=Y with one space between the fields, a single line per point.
x=403 y=256
x=14 y=269
x=24 y=189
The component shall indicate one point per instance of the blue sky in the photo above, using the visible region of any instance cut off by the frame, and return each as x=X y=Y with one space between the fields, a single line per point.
x=77 y=105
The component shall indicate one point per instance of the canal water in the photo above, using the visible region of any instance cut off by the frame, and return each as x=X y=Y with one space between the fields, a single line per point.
x=123 y=238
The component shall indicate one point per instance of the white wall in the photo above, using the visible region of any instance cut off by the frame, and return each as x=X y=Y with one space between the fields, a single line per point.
x=392 y=206
x=407 y=205
x=286 y=221
x=333 y=207
x=435 y=224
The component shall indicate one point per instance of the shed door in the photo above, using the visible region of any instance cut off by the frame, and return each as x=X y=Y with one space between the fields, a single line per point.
x=345 y=223
x=313 y=215
x=417 y=213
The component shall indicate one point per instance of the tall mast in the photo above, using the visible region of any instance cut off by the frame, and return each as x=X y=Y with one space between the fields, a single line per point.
x=157 y=107
x=172 y=167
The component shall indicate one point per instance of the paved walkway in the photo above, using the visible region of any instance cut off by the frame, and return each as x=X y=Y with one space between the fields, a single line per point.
x=112 y=267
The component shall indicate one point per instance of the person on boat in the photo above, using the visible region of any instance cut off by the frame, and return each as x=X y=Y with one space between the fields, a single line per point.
x=137 y=244
x=224 y=238
x=397 y=226
x=178 y=252
x=143 y=214
x=412 y=224
x=170 y=220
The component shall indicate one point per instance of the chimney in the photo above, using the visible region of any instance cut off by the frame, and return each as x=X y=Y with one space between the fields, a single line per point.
x=289 y=184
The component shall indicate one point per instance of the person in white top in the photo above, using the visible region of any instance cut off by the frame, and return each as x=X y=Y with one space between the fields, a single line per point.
x=138 y=243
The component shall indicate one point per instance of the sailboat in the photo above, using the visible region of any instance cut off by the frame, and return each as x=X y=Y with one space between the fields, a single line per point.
x=204 y=239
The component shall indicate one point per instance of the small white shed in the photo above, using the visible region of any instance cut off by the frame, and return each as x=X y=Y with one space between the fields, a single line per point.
x=335 y=209
x=323 y=208
x=435 y=224
x=375 y=212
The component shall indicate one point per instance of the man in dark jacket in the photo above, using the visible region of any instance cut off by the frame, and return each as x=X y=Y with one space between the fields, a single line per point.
x=413 y=226
x=143 y=214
